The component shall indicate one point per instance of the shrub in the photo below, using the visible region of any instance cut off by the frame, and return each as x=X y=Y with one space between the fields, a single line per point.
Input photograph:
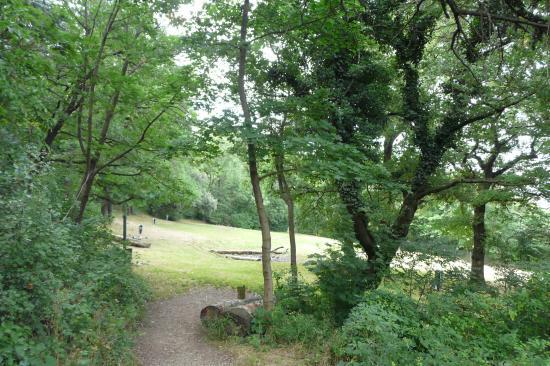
x=68 y=295
x=448 y=329
x=299 y=296
x=300 y=318
x=220 y=328
x=342 y=279
x=529 y=311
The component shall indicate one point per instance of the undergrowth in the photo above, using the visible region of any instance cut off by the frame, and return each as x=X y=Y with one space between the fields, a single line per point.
x=67 y=293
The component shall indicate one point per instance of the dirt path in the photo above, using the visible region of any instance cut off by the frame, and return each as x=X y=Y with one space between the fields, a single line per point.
x=172 y=335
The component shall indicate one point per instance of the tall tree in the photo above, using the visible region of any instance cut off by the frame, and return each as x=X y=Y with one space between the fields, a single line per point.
x=118 y=105
x=506 y=168
x=253 y=164
x=340 y=68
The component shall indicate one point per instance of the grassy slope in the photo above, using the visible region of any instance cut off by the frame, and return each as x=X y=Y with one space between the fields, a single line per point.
x=180 y=255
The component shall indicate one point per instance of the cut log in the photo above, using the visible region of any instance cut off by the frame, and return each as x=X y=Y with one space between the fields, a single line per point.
x=279 y=250
x=138 y=244
x=239 y=312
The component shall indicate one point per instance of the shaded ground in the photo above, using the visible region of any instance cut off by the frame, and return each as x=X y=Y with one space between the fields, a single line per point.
x=172 y=334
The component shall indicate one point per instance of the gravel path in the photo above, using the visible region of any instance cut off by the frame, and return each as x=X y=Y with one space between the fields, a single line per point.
x=172 y=334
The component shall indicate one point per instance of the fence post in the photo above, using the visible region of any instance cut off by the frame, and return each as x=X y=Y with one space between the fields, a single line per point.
x=241 y=292
x=438 y=280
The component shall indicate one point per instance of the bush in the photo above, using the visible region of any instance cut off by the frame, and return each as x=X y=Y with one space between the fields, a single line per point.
x=342 y=279
x=529 y=309
x=300 y=318
x=299 y=296
x=220 y=328
x=448 y=329
x=68 y=295
x=454 y=326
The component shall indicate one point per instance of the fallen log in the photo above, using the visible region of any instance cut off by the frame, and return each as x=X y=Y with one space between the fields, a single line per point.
x=239 y=312
x=256 y=258
x=248 y=252
x=132 y=242
x=236 y=252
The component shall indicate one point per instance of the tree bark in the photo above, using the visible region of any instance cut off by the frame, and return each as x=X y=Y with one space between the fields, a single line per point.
x=378 y=262
x=478 y=253
x=409 y=206
x=253 y=166
x=286 y=195
x=388 y=146
x=349 y=193
x=86 y=189
x=105 y=207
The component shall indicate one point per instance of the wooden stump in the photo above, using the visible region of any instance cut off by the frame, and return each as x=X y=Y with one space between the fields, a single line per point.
x=241 y=292
x=239 y=312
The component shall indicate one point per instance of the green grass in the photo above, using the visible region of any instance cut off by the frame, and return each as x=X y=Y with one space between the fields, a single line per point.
x=180 y=257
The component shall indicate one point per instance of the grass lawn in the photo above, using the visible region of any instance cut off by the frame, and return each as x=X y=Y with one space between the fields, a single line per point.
x=180 y=257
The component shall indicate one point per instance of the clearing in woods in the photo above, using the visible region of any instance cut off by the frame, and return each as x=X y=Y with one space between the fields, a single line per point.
x=185 y=276
x=180 y=257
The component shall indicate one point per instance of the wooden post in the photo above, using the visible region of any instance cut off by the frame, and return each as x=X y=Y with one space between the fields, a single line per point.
x=124 y=219
x=438 y=280
x=241 y=292
x=129 y=253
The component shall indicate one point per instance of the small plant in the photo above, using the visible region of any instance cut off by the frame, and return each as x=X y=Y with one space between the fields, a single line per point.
x=221 y=328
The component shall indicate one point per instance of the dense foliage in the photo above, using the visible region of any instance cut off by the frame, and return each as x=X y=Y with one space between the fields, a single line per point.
x=216 y=191
x=414 y=133
x=68 y=295
x=388 y=326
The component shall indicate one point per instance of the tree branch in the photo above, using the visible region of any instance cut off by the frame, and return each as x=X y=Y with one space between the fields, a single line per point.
x=542 y=24
x=454 y=183
x=136 y=144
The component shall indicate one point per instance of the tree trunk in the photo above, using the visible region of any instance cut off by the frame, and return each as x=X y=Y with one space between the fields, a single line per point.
x=105 y=207
x=292 y=238
x=264 y=227
x=477 y=273
x=253 y=167
x=284 y=190
x=401 y=225
x=85 y=190
x=388 y=146
x=349 y=193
